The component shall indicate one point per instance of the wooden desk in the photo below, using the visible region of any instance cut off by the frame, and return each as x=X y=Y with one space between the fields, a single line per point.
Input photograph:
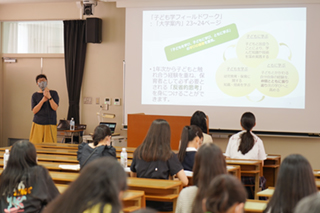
x=132 y=200
x=249 y=168
x=269 y=191
x=266 y=193
x=271 y=169
x=65 y=152
x=61 y=159
x=157 y=189
x=255 y=206
x=233 y=170
x=70 y=134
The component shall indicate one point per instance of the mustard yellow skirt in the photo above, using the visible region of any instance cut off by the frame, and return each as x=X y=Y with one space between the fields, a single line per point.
x=43 y=133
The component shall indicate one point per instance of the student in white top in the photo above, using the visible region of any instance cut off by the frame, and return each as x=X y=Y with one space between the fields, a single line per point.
x=199 y=119
x=245 y=144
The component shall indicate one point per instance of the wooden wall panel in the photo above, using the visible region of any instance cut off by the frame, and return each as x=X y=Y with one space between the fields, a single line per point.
x=138 y=126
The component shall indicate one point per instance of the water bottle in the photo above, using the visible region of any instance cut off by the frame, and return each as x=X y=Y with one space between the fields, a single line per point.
x=72 y=124
x=124 y=157
x=5 y=158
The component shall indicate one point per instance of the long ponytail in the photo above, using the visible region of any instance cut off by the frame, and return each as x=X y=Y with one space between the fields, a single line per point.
x=187 y=135
x=247 y=141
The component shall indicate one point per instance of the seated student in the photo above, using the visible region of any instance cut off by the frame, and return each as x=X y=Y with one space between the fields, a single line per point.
x=98 y=189
x=155 y=159
x=191 y=139
x=25 y=186
x=225 y=194
x=100 y=147
x=200 y=119
x=246 y=145
x=309 y=204
x=295 y=181
x=209 y=163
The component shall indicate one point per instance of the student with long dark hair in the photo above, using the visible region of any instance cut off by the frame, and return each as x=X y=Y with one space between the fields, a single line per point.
x=245 y=144
x=309 y=204
x=101 y=146
x=191 y=139
x=204 y=171
x=25 y=186
x=225 y=194
x=98 y=189
x=199 y=119
x=155 y=159
x=295 y=181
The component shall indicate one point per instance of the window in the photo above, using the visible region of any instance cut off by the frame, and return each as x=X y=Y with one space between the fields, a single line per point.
x=32 y=37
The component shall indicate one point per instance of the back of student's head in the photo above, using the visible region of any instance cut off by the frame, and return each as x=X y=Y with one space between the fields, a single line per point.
x=224 y=192
x=100 y=182
x=295 y=181
x=309 y=204
x=22 y=157
x=100 y=132
x=199 y=119
x=156 y=145
x=189 y=133
x=209 y=162
x=248 y=121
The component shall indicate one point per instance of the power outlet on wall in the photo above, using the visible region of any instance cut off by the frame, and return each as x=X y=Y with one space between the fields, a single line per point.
x=87 y=100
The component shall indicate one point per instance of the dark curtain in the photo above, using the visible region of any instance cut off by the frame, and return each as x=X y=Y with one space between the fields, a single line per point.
x=75 y=48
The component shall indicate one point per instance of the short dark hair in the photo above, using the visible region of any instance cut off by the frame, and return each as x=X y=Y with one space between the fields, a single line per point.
x=223 y=192
x=295 y=181
x=99 y=183
x=100 y=132
x=204 y=170
x=199 y=119
x=41 y=76
x=156 y=145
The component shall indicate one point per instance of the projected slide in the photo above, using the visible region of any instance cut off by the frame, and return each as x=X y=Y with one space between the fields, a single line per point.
x=224 y=57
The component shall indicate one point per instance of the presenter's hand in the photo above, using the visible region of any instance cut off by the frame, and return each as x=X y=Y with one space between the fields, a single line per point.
x=46 y=93
x=44 y=99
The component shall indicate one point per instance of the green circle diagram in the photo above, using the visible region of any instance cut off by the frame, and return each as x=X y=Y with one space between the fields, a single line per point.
x=235 y=78
x=255 y=47
x=277 y=78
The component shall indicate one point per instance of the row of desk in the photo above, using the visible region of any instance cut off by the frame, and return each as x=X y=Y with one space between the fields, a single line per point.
x=53 y=155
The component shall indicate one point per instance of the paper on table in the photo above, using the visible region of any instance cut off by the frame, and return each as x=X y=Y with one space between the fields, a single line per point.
x=188 y=173
x=71 y=167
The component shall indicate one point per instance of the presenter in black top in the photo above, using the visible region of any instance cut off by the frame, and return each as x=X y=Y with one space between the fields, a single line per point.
x=44 y=105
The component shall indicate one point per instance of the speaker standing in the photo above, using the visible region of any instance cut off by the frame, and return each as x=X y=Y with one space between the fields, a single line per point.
x=44 y=105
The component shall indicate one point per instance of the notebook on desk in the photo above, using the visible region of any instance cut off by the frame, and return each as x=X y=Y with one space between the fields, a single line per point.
x=112 y=126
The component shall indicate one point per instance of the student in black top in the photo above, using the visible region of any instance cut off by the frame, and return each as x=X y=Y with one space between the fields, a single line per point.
x=44 y=104
x=155 y=159
x=191 y=139
x=98 y=189
x=24 y=185
x=100 y=147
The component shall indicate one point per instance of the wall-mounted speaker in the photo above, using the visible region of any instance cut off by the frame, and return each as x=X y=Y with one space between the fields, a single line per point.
x=93 y=30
